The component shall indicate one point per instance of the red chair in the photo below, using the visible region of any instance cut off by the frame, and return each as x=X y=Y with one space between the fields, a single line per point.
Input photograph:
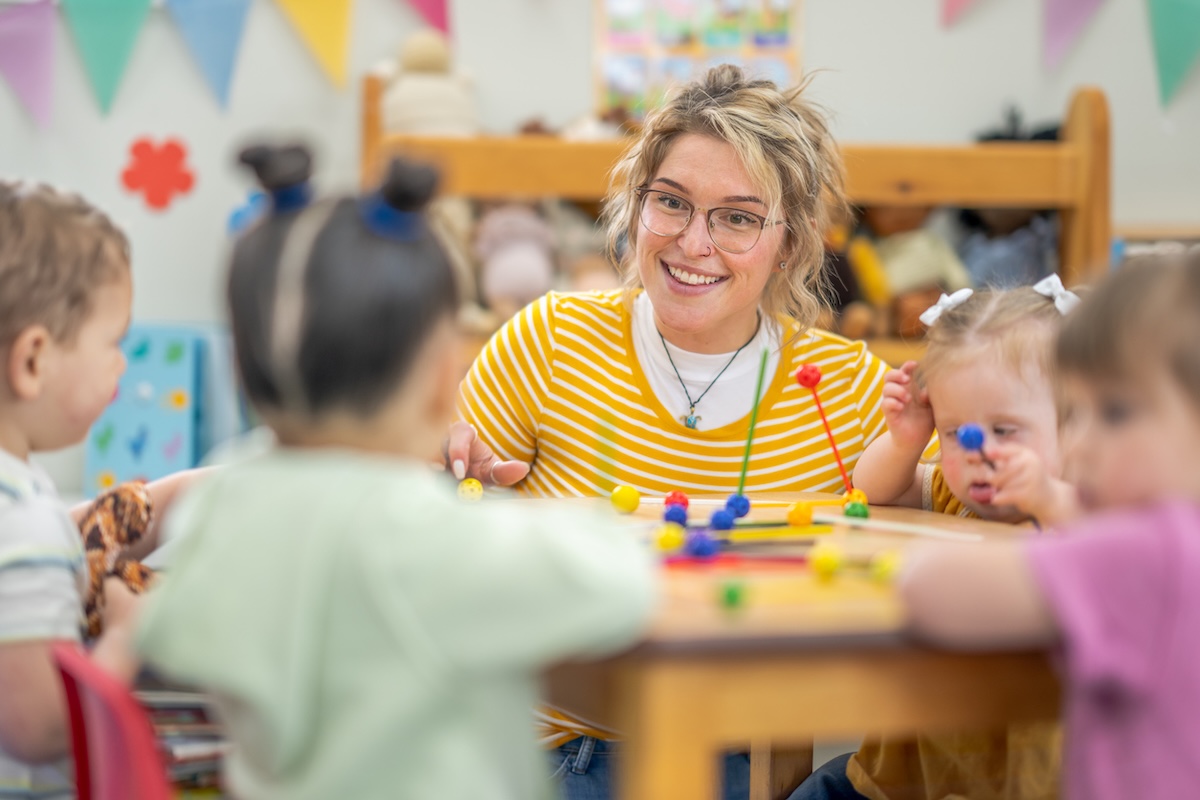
x=116 y=753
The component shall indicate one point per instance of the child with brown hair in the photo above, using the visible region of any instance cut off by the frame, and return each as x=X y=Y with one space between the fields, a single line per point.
x=1116 y=595
x=989 y=363
x=65 y=296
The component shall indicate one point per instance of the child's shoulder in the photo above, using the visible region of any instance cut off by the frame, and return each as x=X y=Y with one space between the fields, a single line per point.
x=33 y=519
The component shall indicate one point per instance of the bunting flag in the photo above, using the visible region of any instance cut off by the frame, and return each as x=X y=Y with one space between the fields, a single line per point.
x=1175 y=27
x=105 y=31
x=951 y=10
x=213 y=32
x=1062 y=22
x=437 y=15
x=27 y=56
x=324 y=26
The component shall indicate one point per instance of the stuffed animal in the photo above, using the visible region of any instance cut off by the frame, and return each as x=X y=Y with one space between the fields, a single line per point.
x=424 y=95
x=515 y=246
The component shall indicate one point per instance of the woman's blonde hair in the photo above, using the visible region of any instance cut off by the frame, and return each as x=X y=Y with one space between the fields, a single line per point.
x=1145 y=317
x=1021 y=323
x=783 y=141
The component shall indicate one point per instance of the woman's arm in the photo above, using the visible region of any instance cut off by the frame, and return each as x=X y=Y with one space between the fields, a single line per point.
x=500 y=400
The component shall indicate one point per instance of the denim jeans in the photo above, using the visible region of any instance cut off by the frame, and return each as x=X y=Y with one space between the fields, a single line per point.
x=583 y=770
x=828 y=783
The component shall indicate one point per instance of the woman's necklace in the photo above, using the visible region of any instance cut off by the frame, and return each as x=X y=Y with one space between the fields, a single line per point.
x=690 y=419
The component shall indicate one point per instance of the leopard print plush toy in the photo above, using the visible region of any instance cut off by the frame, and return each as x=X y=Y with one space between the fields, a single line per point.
x=115 y=520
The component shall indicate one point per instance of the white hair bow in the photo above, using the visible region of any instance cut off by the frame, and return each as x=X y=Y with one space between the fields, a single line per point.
x=944 y=303
x=1052 y=287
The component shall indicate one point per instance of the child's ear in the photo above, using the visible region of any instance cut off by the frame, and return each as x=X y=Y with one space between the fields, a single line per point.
x=26 y=363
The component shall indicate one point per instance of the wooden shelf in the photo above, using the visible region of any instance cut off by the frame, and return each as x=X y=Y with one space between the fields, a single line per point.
x=1071 y=175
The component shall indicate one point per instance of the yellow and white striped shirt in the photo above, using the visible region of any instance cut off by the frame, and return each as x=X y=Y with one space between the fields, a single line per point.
x=560 y=386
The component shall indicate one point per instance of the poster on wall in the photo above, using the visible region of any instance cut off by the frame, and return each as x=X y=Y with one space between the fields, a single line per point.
x=646 y=47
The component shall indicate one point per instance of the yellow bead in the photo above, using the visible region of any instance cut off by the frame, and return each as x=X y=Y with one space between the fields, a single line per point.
x=669 y=537
x=855 y=496
x=800 y=515
x=470 y=490
x=885 y=566
x=825 y=560
x=625 y=499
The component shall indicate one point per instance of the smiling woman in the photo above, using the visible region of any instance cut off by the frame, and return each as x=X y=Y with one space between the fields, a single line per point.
x=717 y=211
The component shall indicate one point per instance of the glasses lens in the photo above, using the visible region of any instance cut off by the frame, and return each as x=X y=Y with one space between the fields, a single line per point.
x=733 y=230
x=665 y=214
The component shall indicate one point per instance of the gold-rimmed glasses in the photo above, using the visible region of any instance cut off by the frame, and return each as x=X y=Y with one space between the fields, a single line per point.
x=734 y=230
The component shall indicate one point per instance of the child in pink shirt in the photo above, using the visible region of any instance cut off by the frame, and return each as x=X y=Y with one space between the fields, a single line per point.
x=1117 y=596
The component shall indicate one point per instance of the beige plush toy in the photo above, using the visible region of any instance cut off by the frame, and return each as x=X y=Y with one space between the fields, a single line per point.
x=425 y=96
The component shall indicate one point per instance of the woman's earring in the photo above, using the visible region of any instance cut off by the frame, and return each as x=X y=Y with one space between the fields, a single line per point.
x=783 y=265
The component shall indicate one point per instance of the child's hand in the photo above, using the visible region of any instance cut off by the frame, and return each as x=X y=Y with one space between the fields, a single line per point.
x=1023 y=481
x=114 y=650
x=906 y=408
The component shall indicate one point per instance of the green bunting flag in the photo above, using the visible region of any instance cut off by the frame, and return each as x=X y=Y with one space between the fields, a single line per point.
x=105 y=31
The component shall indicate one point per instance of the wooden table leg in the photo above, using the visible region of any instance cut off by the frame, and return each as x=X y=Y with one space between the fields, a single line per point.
x=667 y=751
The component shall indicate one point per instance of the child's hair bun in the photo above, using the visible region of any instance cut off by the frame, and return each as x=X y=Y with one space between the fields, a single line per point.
x=278 y=167
x=408 y=186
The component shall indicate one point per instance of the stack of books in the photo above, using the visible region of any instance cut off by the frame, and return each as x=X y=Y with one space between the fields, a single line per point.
x=190 y=739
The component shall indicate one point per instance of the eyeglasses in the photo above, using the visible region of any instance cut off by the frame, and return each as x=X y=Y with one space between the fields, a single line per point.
x=734 y=230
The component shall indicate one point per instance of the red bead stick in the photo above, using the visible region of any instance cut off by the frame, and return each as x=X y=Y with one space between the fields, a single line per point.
x=809 y=376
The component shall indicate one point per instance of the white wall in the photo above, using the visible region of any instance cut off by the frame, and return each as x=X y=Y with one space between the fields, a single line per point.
x=889 y=72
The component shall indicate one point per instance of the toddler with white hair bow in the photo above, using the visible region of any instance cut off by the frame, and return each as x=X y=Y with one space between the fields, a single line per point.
x=988 y=364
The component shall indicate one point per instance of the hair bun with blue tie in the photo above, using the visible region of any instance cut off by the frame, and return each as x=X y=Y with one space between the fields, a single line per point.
x=284 y=172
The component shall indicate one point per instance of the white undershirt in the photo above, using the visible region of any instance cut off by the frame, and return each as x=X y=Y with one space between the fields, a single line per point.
x=730 y=398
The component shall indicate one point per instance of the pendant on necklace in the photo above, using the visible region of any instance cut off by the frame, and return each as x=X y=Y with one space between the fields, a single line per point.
x=690 y=419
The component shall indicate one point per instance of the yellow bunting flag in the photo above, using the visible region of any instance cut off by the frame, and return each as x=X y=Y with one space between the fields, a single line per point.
x=324 y=25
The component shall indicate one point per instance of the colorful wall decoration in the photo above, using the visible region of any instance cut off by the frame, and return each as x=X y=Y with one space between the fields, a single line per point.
x=643 y=47
x=176 y=401
x=105 y=33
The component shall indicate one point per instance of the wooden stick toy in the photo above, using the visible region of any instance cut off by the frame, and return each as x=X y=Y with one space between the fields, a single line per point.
x=809 y=376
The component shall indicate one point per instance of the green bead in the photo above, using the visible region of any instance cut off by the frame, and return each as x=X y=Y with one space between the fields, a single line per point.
x=856 y=510
x=733 y=594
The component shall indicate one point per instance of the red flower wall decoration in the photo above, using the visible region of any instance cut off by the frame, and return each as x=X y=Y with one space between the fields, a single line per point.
x=158 y=171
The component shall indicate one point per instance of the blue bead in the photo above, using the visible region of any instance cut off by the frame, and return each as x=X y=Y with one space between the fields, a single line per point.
x=700 y=545
x=722 y=520
x=970 y=436
x=674 y=513
x=738 y=505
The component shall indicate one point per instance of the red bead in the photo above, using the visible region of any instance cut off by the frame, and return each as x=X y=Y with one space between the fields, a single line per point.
x=676 y=499
x=808 y=376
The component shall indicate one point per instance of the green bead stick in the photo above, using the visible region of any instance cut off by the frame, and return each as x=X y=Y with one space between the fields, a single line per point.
x=762 y=371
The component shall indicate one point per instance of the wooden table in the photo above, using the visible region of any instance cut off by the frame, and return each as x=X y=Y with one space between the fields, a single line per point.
x=801 y=659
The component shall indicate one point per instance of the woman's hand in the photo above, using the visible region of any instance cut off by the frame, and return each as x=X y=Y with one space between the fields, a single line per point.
x=468 y=457
x=906 y=408
x=1022 y=481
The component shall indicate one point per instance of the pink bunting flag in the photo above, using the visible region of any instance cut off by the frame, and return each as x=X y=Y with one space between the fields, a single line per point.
x=27 y=56
x=434 y=12
x=1064 y=20
x=952 y=10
